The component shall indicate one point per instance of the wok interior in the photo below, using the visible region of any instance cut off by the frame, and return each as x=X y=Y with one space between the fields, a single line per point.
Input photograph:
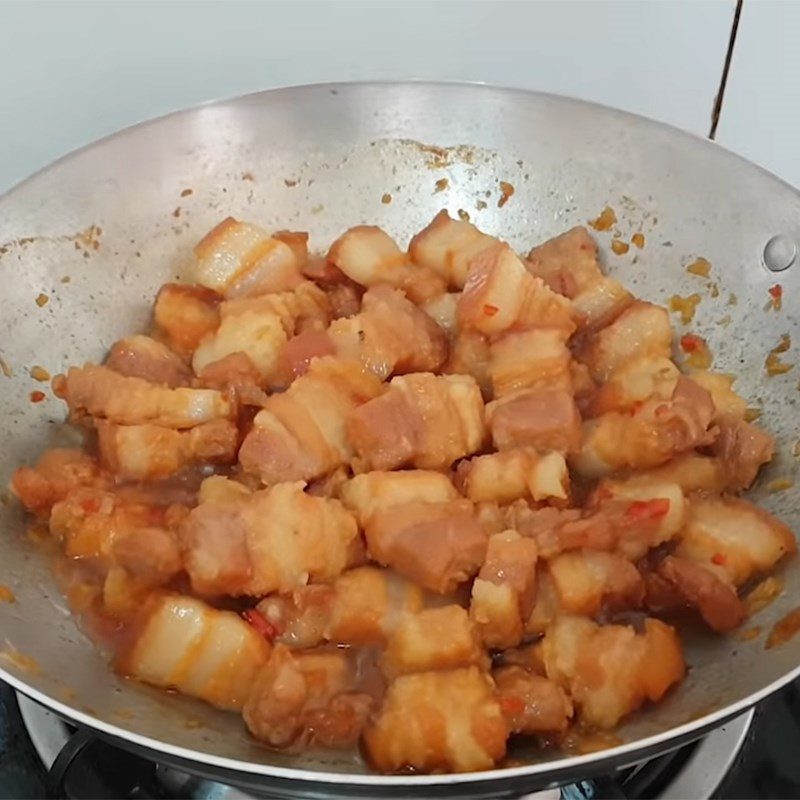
x=323 y=159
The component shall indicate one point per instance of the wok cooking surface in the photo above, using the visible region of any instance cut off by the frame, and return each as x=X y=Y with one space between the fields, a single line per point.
x=737 y=760
x=100 y=230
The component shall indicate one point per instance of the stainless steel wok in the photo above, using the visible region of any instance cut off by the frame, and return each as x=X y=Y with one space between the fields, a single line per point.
x=322 y=158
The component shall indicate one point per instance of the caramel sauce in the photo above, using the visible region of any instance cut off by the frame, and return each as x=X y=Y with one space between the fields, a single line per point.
x=582 y=742
x=762 y=595
x=748 y=634
x=773 y=364
x=606 y=220
x=20 y=660
x=784 y=629
x=685 y=306
x=506 y=191
x=619 y=247
x=700 y=267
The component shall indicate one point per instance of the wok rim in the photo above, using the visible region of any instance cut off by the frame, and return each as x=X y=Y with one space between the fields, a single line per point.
x=623 y=753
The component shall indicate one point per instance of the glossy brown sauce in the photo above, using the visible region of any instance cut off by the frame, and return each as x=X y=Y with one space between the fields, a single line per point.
x=763 y=594
x=582 y=742
x=784 y=629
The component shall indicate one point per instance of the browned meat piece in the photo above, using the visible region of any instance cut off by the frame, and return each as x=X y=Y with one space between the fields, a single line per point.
x=244 y=543
x=438 y=721
x=501 y=295
x=546 y=419
x=56 y=475
x=143 y=357
x=185 y=315
x=742 y=448
x=427 y=421
x=437 y=545
x=148 y=452
x=691 y=584
x=101 y=392
x=611 y=670
x=306 y=698
x=433 y=639
x=531 y=703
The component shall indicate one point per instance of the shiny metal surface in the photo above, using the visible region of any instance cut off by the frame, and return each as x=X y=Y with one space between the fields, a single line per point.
x=323 y=158
x=702 y=773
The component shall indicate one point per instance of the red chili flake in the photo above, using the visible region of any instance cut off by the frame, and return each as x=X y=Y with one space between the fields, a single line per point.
x=719 y=559
x=690 y=343
x=37 y=396
x=510 y=704
x=260 y=623
x=644 y=510
x=90 y=505
x=776 y=293
x=490 y=311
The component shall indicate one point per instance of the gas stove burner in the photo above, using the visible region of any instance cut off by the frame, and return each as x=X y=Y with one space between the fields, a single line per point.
x=81 y=766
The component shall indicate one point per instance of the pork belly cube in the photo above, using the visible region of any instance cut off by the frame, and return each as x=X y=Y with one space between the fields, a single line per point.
x=679 y=582
x=445 y=721
x=470 y=355
x=272 y=540
x=433 y=639
x=239 y=259
x=437 y=545
x=181 y=643
x=587 y=581
x=501 y=295
x=653 y=434
x=531 y=703
x=144 y=357
x=520 y=360
x=741 y=449
x=728 y=405
x=633 y=383
x=369 y=256
x=390 y=335
x=149 y=452
x=369 y=603
x=185 y=315
x=600 y=304
x=424 y=420
x=504 y=592
x=362 y=607
x=258 y=336
x=642 y=329
x=371 y=492
x=306 y=698
x=610 y=670
x=567 y=263
x=513 y=474
x=301 y=617
x=545 y=419
x=300 y=433
x=448 y=246
x=644 y=512
x=101 y=392
x=306 y=307
x=733 y=538
x=58 y=473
